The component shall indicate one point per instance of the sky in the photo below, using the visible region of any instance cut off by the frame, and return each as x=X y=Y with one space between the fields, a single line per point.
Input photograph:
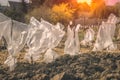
x=108 y=2
x=82 y=1
x=111 y=2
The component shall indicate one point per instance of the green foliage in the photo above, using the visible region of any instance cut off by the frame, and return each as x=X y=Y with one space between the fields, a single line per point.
x=58 y=13
x=103 y=11
x=16 y=15
x=16 y=12
x=62 y=13
x=117 y=7
x=62 y=10
x=40 y=12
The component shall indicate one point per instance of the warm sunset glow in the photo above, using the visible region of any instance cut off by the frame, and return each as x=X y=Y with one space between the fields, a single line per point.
x=83 y=1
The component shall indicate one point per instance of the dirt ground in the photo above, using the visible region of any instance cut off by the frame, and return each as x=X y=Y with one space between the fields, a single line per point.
x=86 y=66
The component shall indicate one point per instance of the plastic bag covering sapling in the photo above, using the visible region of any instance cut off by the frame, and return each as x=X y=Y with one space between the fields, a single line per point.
x=3 y=27
x=44 y=37
x=3 y=18
x=105 y=35
x=50 y=56
x=88 y=37
x=72 y=45
x=15 y=36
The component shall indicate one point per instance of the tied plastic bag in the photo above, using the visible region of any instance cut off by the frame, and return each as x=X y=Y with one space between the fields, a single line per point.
x=77 y=39
x=3 y=26
x=3 y=18
x=104 y=37
x=34 y=41
x=50 y=56
x=11 y=62
x=32 y=56
x=44 y=37
x=72 y=45
x=15 y=36
x=89 y=37
x=13 y=50
x=112 y=20
x=106 y=34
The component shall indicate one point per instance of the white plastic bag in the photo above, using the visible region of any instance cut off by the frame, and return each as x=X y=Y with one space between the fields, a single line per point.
x=15 y=36
x=72 y=45
x=44 y=37
x=50 y=56
x=105 y=35
x=89 y=37
x=104 y=38
x=11 y=62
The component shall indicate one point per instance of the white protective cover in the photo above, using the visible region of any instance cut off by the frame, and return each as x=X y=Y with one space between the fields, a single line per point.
x=88 y=37
x=106 y=34
x=50 y=56
x=72 y=44
x=3 y=27
x=44 y=37
x=16 y=37
x=3 y=18
x=33 y=43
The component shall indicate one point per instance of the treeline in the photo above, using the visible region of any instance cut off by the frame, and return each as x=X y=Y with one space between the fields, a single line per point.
x=65 y=10
x=16 y=10
x=103 y=11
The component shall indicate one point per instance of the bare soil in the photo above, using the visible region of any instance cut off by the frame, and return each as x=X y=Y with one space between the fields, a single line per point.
x=86 y=66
